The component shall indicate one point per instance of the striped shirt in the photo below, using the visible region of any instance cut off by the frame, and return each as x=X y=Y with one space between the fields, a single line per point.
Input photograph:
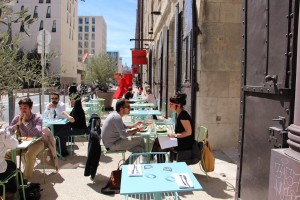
x=32 y=128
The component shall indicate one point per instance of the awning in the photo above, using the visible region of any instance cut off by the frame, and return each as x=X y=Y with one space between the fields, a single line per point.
x=139 y=57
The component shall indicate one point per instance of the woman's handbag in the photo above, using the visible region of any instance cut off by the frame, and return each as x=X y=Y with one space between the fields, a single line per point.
x=114 y=182
x=208 y=158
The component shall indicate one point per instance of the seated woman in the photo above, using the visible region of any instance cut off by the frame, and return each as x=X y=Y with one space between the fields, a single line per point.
x=76 y=117
x=7 y=166
x=183 y=127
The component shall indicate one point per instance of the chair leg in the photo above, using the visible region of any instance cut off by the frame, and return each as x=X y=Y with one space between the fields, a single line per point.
x=3 y=186
x=22 y=184
x=59 y=147
x=44 y=171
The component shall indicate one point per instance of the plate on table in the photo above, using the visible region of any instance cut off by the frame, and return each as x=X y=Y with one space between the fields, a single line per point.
x=161 y=129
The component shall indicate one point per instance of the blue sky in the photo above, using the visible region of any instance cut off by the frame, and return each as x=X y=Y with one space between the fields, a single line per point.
x=120 y=18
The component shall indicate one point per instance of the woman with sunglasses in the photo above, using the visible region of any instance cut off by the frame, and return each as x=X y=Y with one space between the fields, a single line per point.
x=183 y=127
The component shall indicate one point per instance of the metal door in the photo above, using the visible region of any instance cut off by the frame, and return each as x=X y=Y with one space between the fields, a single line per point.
x=268 y=67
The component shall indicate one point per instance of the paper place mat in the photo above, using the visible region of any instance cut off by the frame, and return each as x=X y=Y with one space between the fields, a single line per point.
x=183 y=180
x=135 y=170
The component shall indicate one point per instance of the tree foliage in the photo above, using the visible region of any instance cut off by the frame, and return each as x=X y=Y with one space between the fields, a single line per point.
x=17 y=67
x=101 y=71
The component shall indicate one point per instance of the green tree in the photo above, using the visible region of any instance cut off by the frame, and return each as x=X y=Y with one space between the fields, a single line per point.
x=101 y=70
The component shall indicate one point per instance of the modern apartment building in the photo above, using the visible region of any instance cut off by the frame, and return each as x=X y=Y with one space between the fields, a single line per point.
x=92 y=37
x=60 y=19
x=117 y=58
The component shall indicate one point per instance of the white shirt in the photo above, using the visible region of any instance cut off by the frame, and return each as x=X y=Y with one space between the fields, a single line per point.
x=59 y=108
x=150 y=99
x=7 y=141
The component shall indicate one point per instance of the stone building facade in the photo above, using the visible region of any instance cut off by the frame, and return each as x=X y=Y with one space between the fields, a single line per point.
x=195 y=47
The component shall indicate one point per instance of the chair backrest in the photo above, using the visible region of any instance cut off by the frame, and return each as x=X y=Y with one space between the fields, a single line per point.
x=202 y=134
x=149 y=157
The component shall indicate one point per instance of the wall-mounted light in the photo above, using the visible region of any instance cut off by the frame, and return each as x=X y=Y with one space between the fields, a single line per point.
x=155 y=13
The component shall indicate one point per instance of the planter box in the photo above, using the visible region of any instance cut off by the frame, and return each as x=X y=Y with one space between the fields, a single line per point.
x=108 y=96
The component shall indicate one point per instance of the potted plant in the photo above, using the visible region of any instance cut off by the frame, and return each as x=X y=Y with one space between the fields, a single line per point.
x=100 y=73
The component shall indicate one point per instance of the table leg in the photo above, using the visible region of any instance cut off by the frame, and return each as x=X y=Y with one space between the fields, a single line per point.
x=157 y=196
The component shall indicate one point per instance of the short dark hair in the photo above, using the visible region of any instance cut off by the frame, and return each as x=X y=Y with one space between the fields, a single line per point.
x=55 y=93
x=179 y=98
x=26 y=101
x=120 y=104
x=129 y=89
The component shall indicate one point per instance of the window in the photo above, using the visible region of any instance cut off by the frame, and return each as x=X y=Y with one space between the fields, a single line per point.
x=86 y=36
x=41 y=25
x=48 y=1
x=93 y=51
x=86 y=29
x=41 y=1
x=79 y=36
x=22 y=8
x=48 y=15
x=93 y=36
x=79 y=59
x=86 y=44
x=54 y=26
x=79 y=44
x=80 y=20
x=93 y=28
x=93 y=20
x=92 y=44
x=80 y=29
x=35 y=14
x=86 y=20
x=80 y=52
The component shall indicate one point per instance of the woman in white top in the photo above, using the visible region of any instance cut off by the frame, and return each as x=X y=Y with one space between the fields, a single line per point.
x=7 y=141
x=150 y=99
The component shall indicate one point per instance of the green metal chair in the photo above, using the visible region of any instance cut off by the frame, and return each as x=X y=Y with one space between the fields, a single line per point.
x=15 y=175
x=150 y=157
x=105 y=151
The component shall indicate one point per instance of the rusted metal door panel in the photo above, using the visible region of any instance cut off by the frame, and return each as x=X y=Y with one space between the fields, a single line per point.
x=165 y=71
x=267 y=90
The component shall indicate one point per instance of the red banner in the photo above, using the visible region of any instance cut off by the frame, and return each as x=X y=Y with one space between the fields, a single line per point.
x=135 y=70
x=139 y=57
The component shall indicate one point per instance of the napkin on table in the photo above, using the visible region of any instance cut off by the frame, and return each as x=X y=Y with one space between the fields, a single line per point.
x=135 y=170
x=183 y=180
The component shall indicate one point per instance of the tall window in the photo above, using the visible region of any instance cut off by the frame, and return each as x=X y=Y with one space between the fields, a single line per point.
x=80 y=29
x=86 y=28
x=80 y=20
x=86 y=36
x=41 y=1
x=93 y=36
x=92 y=44
x=54 y=26
x=86 y=44
x=79 y=36
x=93 y=51
x=35 y=14
x=86 y=20
x=48 y=15
x=80 y=52
x=93 y=20
x=48 y=1
x=79 y=44
x=41 y=25
x=93 y=28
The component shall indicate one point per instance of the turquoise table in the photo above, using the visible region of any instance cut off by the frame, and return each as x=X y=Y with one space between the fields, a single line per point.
x=50 y=123
x=156 y=180
x=143 y=114
x=142 y=105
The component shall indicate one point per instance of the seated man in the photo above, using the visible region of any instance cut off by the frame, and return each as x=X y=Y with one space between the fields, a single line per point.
x=114 y=133
x=28 y=124
x=62 y=131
